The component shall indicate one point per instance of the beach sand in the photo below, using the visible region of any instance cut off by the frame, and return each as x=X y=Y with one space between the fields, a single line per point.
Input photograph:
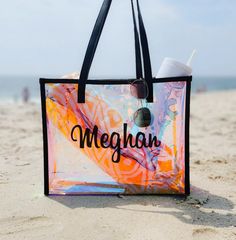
x=208 y=213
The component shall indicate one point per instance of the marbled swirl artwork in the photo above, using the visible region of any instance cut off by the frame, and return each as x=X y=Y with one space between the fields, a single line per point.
x=117 y=156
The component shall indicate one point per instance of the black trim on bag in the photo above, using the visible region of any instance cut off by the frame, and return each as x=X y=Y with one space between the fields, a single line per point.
x=45 y=138
x=44 y=81
x=187 y=120
x=113 y=81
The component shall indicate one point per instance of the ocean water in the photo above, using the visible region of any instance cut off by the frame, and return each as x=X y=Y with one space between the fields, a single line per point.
x=11 y=86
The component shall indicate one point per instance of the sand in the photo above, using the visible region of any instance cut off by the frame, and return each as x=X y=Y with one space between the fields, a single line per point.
x=208 y=213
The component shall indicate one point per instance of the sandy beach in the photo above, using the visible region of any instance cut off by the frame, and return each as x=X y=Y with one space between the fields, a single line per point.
x=208 y=213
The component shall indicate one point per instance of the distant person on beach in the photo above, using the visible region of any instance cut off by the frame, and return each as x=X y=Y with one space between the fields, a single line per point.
x=201 y=89
x=25 y=95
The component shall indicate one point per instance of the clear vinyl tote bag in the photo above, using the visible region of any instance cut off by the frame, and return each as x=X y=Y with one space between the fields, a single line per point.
x=116 y=136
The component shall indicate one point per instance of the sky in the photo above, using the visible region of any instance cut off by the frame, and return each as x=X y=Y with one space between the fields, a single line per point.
x=49 y=37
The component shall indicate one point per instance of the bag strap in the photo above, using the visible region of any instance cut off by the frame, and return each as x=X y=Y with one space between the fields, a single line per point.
x=146 y=55
x=90 y=52
x=139 y=69
x=93 y=45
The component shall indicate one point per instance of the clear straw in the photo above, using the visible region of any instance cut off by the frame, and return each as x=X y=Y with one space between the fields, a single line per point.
x=191 y=58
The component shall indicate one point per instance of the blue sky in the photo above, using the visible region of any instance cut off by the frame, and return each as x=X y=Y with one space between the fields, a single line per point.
x=49 y=37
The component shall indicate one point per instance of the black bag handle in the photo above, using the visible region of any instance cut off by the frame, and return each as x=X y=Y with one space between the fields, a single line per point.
x=93 y=42
x=139 y=69
x=93 y=45
x=146 y=55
